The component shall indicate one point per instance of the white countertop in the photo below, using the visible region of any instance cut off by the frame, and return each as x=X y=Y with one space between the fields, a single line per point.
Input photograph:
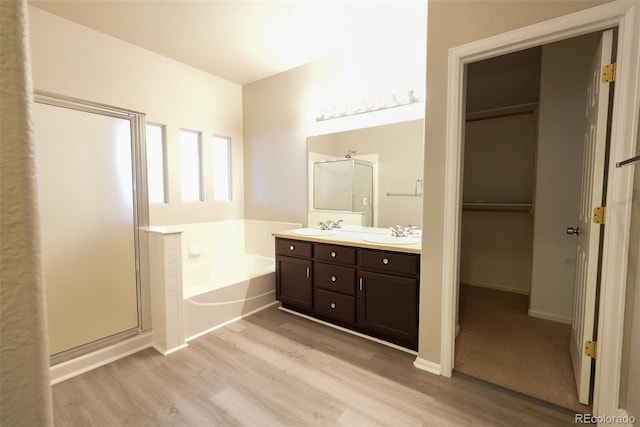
x=355 y=236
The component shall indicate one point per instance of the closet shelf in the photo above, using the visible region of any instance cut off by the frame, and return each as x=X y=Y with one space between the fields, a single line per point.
x=498 y=207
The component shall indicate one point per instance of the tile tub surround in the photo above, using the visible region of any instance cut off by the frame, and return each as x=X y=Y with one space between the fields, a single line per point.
x=165 y=267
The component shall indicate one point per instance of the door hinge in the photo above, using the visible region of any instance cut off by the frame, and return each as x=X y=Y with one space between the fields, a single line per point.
x=599 y=214
x=609 y=73
x=590 y=348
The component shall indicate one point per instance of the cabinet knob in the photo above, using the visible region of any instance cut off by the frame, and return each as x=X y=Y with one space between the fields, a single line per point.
x=291 y=247
x=333 y=305
x=385 y=261
x=333 y=254
x=333 y=278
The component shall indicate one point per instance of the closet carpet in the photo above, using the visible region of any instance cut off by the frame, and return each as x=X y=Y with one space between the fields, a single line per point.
x=500 y=344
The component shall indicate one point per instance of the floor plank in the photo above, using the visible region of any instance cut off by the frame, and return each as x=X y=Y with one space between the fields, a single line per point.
x=275 y=368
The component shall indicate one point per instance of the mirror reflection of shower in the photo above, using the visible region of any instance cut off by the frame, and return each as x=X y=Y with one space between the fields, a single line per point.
x=344 y=185
x=396 y=152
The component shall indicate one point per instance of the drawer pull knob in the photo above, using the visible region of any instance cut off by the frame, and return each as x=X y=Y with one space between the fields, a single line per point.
x=333 y=254
x=333 y=278
x=333 y=305
x=291 y=247
x=385 y=261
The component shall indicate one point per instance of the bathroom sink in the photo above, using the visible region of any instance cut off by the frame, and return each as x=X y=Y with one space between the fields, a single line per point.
x=391 y=240
x=314 y=232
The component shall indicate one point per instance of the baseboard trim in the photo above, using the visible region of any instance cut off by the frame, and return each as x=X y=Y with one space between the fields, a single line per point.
x=427 y=365
x=499 y=288
x=74 y=367
x=548 y=316
x=166 y=352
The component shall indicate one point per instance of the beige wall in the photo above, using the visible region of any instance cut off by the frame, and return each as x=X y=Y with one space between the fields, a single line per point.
x=499 y=160
x=278 y=116
x=452 y=24
x=72 y=60
x=25 y=392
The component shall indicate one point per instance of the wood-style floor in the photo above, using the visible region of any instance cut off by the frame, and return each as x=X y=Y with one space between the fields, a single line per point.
x=277 y=369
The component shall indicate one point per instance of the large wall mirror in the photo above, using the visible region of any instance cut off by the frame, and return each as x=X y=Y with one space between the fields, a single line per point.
x=371 y=176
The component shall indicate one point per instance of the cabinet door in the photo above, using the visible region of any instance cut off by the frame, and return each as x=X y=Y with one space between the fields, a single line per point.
x=293 y=282
x=387 y=306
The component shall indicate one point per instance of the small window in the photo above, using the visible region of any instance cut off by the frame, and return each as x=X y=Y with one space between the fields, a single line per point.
x=221 y=168
x=156 y=164
x=190 y=166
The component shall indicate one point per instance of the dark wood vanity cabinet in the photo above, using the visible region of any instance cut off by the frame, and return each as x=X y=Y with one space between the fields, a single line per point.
x=387 y=299
x=387 y=305
x=371 y=291
x=294 y=273
x=335 y=283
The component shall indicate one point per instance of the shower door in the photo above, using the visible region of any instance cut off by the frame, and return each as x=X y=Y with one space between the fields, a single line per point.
x=86 y=175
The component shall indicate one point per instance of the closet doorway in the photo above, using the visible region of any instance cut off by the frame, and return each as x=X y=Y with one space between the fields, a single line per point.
x=523 y=150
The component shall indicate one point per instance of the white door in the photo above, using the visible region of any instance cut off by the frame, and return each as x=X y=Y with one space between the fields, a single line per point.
x=85 y=190
x=589 y=233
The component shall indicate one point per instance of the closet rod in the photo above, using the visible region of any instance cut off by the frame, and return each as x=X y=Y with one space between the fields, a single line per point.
x=500 y=116
x=628 y=161
x=497 y=207
x=500 y=112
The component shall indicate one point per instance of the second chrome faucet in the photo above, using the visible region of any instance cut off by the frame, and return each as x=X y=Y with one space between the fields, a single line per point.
x=329 y=224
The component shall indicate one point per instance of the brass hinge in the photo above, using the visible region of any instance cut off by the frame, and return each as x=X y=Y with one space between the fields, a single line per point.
x=590 y=348
x=609 y=73
x=599 y=214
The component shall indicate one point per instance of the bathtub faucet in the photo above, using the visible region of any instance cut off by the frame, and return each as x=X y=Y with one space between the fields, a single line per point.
x=329 y=224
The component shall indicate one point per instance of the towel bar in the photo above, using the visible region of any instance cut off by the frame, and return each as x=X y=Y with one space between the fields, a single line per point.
x=628 y=161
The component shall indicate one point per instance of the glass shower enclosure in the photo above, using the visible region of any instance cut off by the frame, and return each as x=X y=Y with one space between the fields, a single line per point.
x=344 y=185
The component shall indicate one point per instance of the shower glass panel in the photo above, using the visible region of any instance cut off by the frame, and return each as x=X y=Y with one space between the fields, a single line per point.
x=332 y=185
x=88 y=230
x=344 y=185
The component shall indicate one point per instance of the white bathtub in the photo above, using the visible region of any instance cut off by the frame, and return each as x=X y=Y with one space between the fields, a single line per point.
x=206 y=275
x=225 y=289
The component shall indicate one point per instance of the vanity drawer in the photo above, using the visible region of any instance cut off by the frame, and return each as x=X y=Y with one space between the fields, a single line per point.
x=334 y=253
x=294 y=248
x=390 y=262
x=334 y=278
x=335 y=306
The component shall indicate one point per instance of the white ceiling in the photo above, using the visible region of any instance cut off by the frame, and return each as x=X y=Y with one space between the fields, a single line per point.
x=245 y=41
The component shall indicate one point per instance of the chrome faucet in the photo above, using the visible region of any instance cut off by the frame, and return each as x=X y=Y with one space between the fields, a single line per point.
x=403 y=231
x=329 y=224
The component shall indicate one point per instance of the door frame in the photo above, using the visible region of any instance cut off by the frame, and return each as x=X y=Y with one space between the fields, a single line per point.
x=625 y=16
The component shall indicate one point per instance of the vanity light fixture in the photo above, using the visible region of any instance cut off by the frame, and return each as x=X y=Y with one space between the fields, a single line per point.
x=395 y=100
